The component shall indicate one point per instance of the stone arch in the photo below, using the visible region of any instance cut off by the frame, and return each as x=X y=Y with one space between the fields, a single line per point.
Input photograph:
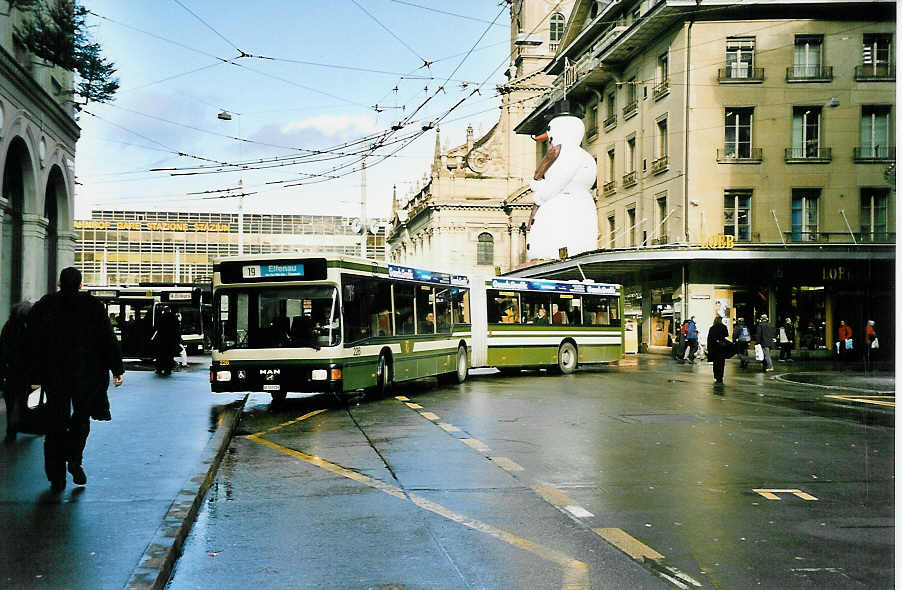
x=18 y=198
x=56 y=212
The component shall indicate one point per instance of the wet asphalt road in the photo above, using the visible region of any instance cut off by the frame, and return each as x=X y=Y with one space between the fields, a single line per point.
x=93 y=537
x=531 y=481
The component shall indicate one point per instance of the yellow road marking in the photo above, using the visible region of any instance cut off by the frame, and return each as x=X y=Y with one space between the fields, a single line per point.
x=449 y=427
x=628 y=544
x=771 y=494
x=576 y=573
x=476 y=444
x=402 y=398
x=879 y=400
x=507 y=464
x=554 y=496
x=429 y=416
x=414 y=406
x=289 y=423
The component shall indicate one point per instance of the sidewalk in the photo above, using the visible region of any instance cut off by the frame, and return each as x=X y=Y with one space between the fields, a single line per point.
x=162 y=441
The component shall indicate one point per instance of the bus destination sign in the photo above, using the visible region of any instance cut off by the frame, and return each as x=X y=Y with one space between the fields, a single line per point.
x=263 y=271
x=553 y=286
x=426 y=276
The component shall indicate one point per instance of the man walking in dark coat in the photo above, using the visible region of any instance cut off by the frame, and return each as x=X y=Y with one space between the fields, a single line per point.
x=13 y=366
x=765 y=335
x=717 y=347
x=73 y=350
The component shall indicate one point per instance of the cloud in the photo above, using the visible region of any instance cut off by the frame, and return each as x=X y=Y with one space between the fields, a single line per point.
x=333 y=125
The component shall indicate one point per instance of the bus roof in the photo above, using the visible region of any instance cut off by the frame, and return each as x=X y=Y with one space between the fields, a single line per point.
x=550 y=286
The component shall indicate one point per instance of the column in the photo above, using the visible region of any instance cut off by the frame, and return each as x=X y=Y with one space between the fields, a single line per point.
x=647 y=328
x=34 y=272
x=4 y=280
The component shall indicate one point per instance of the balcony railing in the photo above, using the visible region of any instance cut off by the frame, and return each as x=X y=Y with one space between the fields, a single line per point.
x=740 y=74
x=554 y=46
x=661 y=89
x=874 y=153
x=631 y=108
x=743 y=155
x=799 y=73
x=610 y=121
x=840 y=237
x=609 y=187
x=808 y=154
x=876 y=72
x=629 y=179
x=660 y=241
x=659 y=165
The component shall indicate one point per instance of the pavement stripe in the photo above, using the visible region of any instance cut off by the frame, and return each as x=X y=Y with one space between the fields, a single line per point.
x=555 y=496
x=507 y=464
x=877 y=400
x=771 y=494
x=429 y=416
x=578 y=511
x=576 y=573
x=628 y=544
x=449 y=427
x=476 y=444
x=402 y=398
x=290 y=422
x=414 y=406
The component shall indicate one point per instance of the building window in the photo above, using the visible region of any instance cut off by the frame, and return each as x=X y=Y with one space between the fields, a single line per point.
x=592 y=120
x=804 y=214
x=736 y=215
x=631 y=154
x=662 y=137
x=485 y=249
x=806 y=132
x=631 y=220
x=740 y=58
x=661 y=218
x=738 y=133
x=873 y=214
x=612 y=229
x=807 y=57
x=875 y=130
x=632 y=102
x=611 y=160
x=611 y=119
x=663 y=76
x=557 y=23
x=876 y=53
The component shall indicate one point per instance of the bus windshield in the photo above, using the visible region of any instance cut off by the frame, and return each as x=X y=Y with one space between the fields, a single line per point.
x=278 y=317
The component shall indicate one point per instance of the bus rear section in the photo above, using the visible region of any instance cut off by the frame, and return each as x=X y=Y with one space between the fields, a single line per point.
x=525 y=323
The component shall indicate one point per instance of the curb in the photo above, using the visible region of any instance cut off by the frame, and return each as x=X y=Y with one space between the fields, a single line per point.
x=782 y=378
x=156 y=564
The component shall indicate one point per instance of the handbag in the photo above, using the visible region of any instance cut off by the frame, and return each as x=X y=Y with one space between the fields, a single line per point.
x=848 y=344
x=875 y=344
x=759 y=353
x=726 y=348
x=34 y=419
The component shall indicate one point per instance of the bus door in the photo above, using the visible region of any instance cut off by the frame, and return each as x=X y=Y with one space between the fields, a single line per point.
x=138 y=326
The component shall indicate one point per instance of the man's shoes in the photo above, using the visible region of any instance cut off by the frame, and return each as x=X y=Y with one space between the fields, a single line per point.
x=10 y=437
x=79 y=477
x=58 y=485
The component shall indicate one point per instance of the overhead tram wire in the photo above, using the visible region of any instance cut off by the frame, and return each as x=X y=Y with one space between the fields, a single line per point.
x=209 y=26
x=445 y=12
x=392 y=33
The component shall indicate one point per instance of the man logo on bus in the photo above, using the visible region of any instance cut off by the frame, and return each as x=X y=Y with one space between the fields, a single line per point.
x=269 y=374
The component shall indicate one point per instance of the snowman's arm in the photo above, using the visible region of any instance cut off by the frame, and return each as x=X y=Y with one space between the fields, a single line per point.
x=558 y=177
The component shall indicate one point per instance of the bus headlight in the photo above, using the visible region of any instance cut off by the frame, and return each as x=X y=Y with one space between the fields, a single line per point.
x=319 y=375
x=223 y=375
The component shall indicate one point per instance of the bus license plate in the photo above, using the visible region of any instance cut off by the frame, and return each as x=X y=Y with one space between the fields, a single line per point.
x=271 y=388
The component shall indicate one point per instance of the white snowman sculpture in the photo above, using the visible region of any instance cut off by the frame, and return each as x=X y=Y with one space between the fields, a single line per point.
x=566 y=215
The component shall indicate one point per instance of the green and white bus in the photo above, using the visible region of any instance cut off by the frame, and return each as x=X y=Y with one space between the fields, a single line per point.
x=529 y=323
x=334 y=324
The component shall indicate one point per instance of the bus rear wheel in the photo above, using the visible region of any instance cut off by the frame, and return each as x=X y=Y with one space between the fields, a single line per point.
x=566 y=358
x=461 y=368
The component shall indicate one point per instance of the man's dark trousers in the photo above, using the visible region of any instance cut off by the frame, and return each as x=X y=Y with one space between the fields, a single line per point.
x=68 y=433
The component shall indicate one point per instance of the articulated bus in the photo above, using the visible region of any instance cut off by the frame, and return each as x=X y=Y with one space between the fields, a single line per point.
x=134 y=311
x=338 y=324
x=334 y=324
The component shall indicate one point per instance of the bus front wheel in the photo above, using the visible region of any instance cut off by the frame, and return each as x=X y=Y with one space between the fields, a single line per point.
x=566 y=358
x=461 y=368
x=383 y=375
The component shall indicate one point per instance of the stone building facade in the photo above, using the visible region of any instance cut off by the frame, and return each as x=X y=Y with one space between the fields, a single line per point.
x=470 y=214
x=742 y=155
x=37 y=151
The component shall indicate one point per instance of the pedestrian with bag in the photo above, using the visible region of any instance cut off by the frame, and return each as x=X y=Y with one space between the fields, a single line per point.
x=787 y=335
x=14 y=368
x=691 y=340
x=846 y=344
x=743 y=337
x=872 y=344
x=167 y=339
x=764 y=337
x=680 y=349
x=73 y=350
x=719 y=347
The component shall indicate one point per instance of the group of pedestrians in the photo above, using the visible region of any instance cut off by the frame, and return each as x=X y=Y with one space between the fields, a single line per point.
x=766 y=337
x=64 y=344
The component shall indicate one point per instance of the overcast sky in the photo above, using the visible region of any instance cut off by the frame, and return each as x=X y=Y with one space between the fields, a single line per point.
x=174 y=82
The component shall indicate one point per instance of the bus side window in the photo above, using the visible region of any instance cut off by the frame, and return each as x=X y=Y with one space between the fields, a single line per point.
x=404 y=295
x=443 y=309
x=460 y=308
x=536 y=308
x=503 y=307
x=425 y=313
